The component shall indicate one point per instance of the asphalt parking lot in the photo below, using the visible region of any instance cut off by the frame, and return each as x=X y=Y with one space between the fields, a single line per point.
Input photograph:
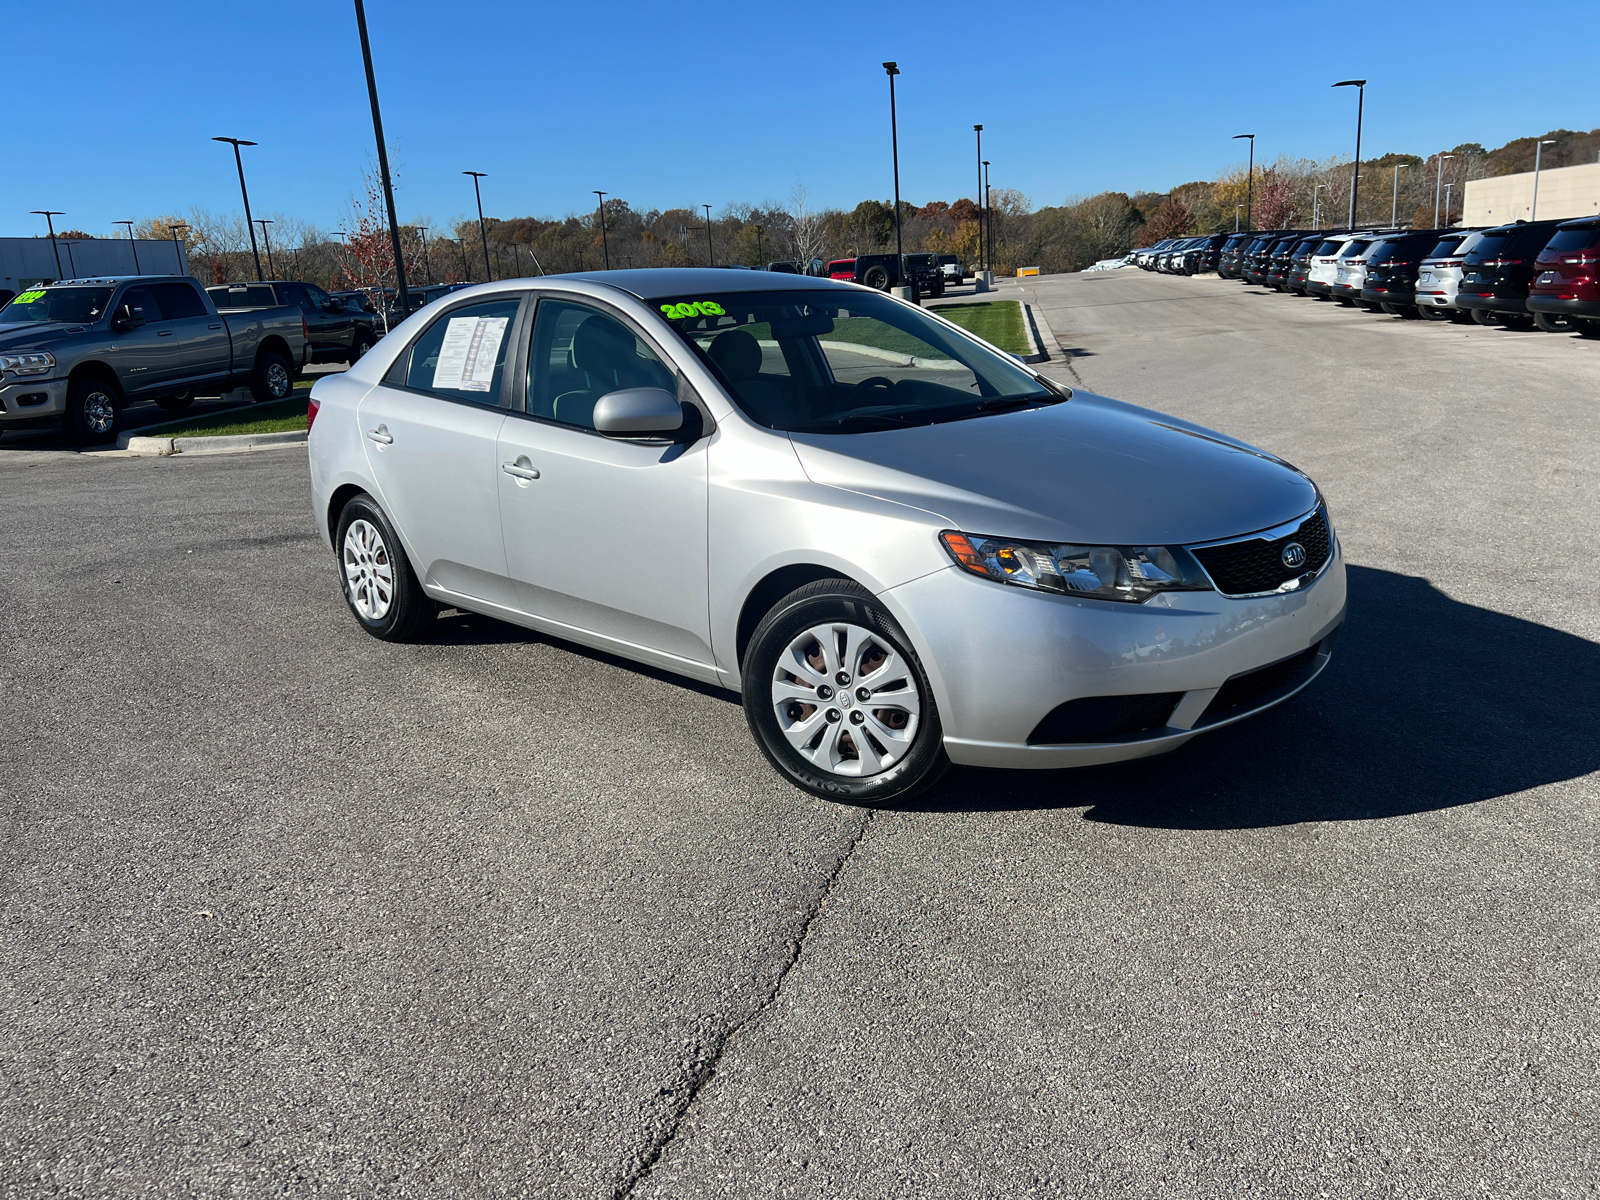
x=290 y=912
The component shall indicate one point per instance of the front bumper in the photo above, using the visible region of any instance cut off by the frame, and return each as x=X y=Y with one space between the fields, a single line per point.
x=26 y=399
x=1565 y=308
x=1002 y=658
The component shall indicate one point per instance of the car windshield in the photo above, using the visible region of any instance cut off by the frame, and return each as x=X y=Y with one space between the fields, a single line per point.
x=825 y=362
x=83 y=305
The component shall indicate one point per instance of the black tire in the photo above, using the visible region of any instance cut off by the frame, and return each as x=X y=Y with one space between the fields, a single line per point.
x=1553 y=322
x=1587 y=327
x=176 y=402
x=359 y=348
x=94 y=411
x=1429 y=313
x=1483 y=316
x=1516 y=320
x=364 y=558
x=877 y=277
x=845 y=603
x=272 y=379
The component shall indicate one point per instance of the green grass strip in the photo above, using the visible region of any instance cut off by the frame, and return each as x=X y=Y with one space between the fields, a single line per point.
x=277 y=416
x=999 y=322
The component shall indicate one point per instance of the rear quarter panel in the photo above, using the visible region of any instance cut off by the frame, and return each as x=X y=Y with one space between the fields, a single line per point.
x=334 y=448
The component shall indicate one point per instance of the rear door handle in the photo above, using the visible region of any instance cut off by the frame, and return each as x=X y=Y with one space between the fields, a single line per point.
x=381 y=435
x=521 y=469
x=213 y=326
x=163 y=333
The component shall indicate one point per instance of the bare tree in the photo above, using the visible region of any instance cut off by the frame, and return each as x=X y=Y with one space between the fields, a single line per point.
x=806 y=226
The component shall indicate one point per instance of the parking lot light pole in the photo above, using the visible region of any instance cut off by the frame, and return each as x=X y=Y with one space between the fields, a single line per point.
x=383 y=162
x=483 y=232
x=1355 y=171
x=47 y=213
x=758 y=245
x=1538 y=149
x=711 y=250
x=891 y=69
x=978 y=129
x=1394 y=204
x=238 y=161
x=1438 y=183
x=427 y=263
x=988 y=218
x=177 y=245
x=132 y=244
x=1249 y=179
x=604 y=245
x=1447 y=188
x=1237 y=209
x=264 y=222
x=1316 y=209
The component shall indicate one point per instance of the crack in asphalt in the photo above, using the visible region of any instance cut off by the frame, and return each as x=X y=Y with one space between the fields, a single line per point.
x=705 y=1071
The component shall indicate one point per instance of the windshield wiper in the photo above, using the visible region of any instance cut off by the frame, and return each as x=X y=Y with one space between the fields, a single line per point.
x=894 y=419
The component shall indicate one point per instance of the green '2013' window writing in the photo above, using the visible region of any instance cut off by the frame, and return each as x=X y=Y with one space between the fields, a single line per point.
x=694 y=308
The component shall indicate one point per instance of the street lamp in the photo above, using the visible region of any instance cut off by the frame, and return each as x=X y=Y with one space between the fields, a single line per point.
x=1236 y=209
x=758 y=245
x=47 y=213
x=264 y=222
x=1447 y=188
x=1394 y=204
x=988 y=217
x=1316 y=211
x=132 y=244
x=1249 y=181
x=383 y=164
x=238 y=161
x=482 y=230
x=711 y=250
x=604 y=245
x=892 y=70
x=978 y=129
x=177 y=245
x=1538 y=150
x=427 y=264
x=1355 y=171
x=1437 y=184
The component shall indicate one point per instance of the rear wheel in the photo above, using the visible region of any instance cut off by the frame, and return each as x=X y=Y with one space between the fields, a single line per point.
x=94 y=412
x=1587 y=327
x=359 y=348
x=379 y=585
x=1516 y=320
x=273 y=378
x=1483 y=316
x=838 y=700
x=1553 y=322
x=877 y=277
x=1429 y=313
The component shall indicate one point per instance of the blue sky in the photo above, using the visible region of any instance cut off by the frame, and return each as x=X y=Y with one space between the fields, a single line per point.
x=677 y=104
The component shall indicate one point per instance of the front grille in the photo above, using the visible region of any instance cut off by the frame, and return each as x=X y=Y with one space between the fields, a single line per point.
x=1256 y=565
x=1104 y=718
x=1244 y=690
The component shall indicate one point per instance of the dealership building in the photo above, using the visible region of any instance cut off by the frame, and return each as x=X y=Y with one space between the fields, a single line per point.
x=25 y=261
x=1564 y=192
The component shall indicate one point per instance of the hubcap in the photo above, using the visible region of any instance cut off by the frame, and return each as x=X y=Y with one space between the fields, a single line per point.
x=278 y=381
x=99 y=412
x=368 y=573
x=856 y=731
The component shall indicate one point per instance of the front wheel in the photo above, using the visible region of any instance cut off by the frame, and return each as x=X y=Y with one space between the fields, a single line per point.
x=838 y=700
x=94 y=412
x=379 y=585
x=359 y=348
x=273 y=378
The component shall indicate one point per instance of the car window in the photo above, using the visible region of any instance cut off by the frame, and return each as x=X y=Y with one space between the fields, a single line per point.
x=1492 y=243
x=142 y=297
x=1445 y=248
x=1574 y=239
x=179 y=300
x=319 y=298
x=1353 y=249
x=579 y=355
x=825 y=362
x=462 y=355
x=293 y=293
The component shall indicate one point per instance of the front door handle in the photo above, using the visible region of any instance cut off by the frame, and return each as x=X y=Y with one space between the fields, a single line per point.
x=522 y=469
x=213 y=326
x=381 y=435
x=163 y=333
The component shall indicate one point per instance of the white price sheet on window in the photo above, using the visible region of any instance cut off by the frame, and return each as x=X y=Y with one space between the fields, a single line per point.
x=467 y=357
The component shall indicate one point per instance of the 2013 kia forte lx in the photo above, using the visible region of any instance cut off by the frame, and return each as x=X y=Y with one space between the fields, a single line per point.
x=903 y=547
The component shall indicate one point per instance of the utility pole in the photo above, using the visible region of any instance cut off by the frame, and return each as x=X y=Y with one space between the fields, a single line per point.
x=383 y=163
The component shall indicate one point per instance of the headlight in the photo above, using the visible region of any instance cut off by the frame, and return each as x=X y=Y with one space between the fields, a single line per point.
x=1129 y=573
x=37 y=363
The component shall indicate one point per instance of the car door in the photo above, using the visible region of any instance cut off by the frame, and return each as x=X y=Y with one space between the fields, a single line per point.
x=332 y=325
x=150 y=357
x=429 y=430
x=605 y=537
x=200 y=332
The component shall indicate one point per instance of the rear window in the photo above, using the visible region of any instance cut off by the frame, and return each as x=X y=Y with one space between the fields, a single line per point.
x=1574 y=239
x=1354 y=249
x=1384 y=251
x=1445 y=248
x=253 y=296
x=1492 y=244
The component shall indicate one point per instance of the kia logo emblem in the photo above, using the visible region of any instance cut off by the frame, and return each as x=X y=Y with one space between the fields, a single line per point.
x=1294 y=555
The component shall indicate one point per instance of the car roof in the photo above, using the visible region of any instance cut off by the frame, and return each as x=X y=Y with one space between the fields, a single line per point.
x=660 y=282
x=103 y=280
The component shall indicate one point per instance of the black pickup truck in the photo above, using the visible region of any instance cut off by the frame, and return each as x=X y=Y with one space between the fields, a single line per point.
x=882 y=271
x=338 y=333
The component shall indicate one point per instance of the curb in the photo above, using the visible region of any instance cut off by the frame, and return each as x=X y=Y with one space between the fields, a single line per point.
x=143 y=430
x=189 y=446
x=1040 y=354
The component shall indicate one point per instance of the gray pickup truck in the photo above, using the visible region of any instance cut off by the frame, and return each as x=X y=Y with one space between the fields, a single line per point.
x=81 y=350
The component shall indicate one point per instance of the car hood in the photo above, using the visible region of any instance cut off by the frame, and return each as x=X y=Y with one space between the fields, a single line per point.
x=36 y=335
x=1087 y=470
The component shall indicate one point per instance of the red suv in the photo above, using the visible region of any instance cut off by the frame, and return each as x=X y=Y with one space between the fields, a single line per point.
x=1566 y=289
x=842 y=268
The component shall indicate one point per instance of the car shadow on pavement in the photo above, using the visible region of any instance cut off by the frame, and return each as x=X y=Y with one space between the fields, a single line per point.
x=1428 y=703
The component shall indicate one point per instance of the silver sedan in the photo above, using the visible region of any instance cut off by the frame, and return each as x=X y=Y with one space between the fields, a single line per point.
x=904 y=548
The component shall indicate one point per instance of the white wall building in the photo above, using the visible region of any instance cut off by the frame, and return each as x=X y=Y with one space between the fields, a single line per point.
x=1564 y=192
x=31 y=260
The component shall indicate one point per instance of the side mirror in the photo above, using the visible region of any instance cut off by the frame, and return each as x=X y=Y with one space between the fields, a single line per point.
x=128 y=317
x=638 y=410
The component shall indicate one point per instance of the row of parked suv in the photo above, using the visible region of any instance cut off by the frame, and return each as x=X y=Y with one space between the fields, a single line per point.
x=1525 y=274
